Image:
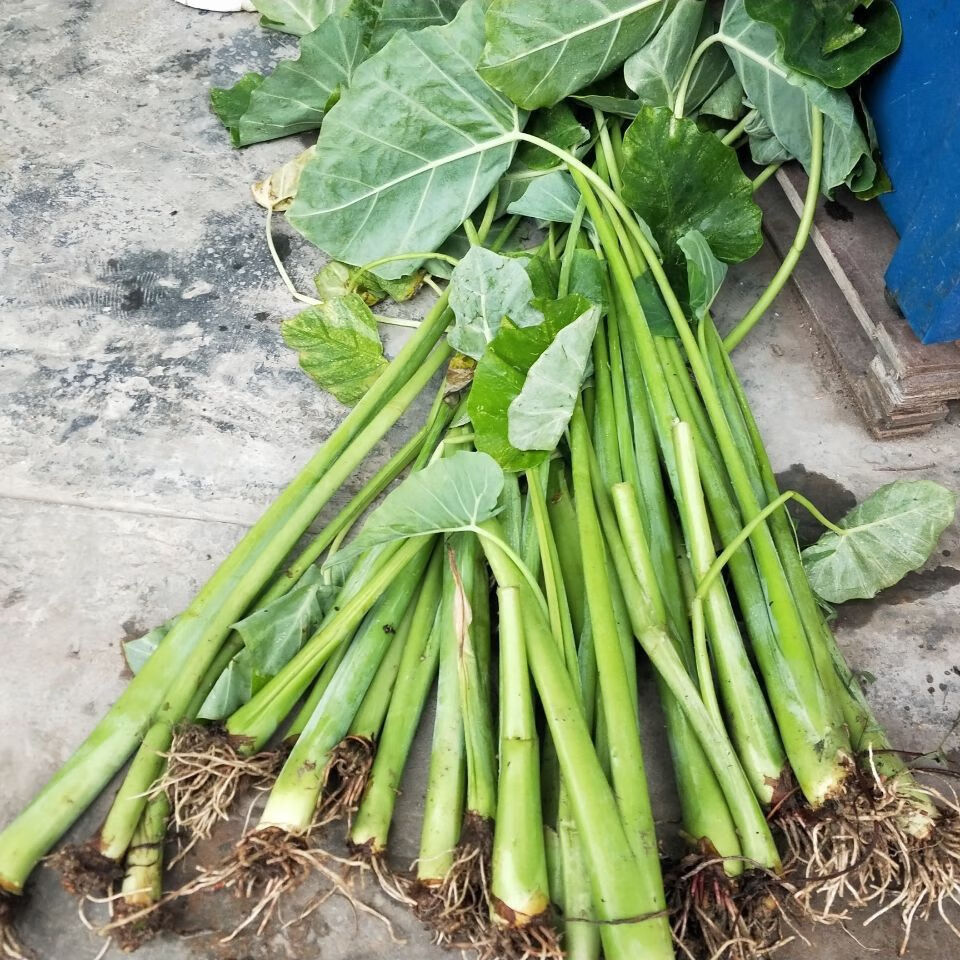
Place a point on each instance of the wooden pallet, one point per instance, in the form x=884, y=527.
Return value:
x=901, y=386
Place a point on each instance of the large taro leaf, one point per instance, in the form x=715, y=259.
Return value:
x=486, y=287
x=785, y=98
x=338, y=344
x=502, y=373
x=410, y=149
x=538, y=54
x=653, y=73
x=891, y=533
x=679, y=178
x=295, y=96
x=411, y=15
x=705, y=273
x=452, y=493
x=539, y=414
x=821, y=37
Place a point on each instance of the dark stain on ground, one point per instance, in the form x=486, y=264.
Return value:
x=830, y=497
x=188, y=62
x=78, y=423
x=132, y=630
x=13, y=597
x=837, y=211
x=914, y=586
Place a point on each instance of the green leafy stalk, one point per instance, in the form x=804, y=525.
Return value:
x=519, y=880
x=617, y=701
x=447, y=778
x=460, y=609
x=414, y=676
x=618, y=885
x=751, y=725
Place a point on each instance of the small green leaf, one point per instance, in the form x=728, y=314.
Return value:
x=295, y=97
x=679, y=178
x=726, y=101
x=891, y=533
x=539, y=414
x=139, y=650
x=234, y=687
x=627, y=107
x=551, y=198
x=339, y=345
x=588, y=277
x=231, y=103
x=654, y=309
x=485, y=288
x=705, y=273
x=502, y=373
x=299, y=17
x=544, y=275
x=821, y=37
x=557, y=125
x=440, y=141
x=452, y=493
x=653, y=73
x=411, y=15
x=277, y=191
x=538, y=55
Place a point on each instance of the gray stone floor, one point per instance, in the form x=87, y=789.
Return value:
x=150, y=411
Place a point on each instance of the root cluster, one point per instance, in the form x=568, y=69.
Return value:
x=457, y=910
x=85, y=871
x=345, y=779
x=9, y=945
x=863, y=849
x=205, y=771
x=534, y=940
x=717, y=917
x=267, y=866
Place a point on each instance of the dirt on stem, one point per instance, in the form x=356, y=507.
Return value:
x=131, y=927
x=345, y=779
x=84, y=871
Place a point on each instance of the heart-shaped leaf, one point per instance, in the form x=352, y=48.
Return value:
x=891, y=533
x=452, y=493
x=502, y=373
x=538, y=55
x=836, y=42
x=484, y=288
x=441, y=140
x=680, y=178
x=339, y=345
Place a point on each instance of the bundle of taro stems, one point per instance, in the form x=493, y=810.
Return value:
x=655, y=532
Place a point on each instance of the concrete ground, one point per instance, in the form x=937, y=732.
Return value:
x=150, y=411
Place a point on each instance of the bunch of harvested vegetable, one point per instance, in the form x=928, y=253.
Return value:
x=589, y=478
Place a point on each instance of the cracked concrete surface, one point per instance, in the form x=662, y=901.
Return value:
x=150, y=411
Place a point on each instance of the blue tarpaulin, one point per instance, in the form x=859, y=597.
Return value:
x=915, y=100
